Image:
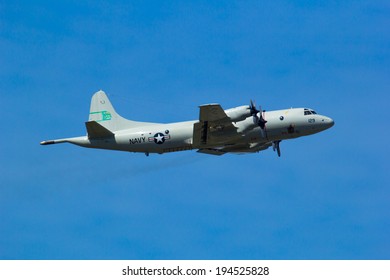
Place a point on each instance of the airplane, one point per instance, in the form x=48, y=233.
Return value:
x=243, y=129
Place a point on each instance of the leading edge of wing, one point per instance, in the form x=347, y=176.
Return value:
x=212, y=112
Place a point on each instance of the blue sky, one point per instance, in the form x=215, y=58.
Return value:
x=327, y=197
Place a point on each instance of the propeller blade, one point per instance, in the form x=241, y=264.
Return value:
x=253, y=108
x=258, y=117
x=263, y=131
x=261, y=122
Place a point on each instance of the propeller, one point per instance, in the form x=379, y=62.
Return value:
x=276, y=146
x=253, y=108
x=261, y=122
x=258, y=117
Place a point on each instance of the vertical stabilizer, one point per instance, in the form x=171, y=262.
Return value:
x=103, y=112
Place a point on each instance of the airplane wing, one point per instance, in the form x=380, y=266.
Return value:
x=214, y=128
x=212, y=112
x=211, y=151
x=238, y=149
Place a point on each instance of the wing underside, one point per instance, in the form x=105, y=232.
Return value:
x=237, y=149
x=216, y=134
x=214, y=128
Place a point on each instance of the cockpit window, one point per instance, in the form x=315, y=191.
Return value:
x=309, y=112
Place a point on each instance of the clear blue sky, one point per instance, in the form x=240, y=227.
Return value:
x=327, y=197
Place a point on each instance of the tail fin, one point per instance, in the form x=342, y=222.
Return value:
x=102, y=112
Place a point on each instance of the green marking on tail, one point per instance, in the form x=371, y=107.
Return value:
x=106, y=116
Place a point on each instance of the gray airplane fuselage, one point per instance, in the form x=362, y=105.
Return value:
x=172, y=137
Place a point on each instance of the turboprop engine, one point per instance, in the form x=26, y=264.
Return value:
x=238, y=114
x=242, y=113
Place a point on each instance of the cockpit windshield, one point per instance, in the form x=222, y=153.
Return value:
x=309, y=112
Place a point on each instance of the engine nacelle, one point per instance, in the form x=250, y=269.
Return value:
x=245, y=126
x=239, y=113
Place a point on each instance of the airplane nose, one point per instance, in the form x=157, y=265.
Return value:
x=331, y=122
x=327, y=122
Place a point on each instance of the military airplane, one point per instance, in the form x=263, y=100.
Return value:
x=244, y=129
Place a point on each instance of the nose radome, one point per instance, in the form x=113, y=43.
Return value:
x=328, y=122
x=331, y=122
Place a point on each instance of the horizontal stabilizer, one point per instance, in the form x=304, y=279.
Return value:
x=95, y=130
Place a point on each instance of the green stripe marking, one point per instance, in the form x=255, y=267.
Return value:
x=106, y=116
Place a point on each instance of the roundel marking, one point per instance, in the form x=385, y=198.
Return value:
x=159, y=138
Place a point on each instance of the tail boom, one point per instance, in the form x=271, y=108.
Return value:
x=80, y=141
